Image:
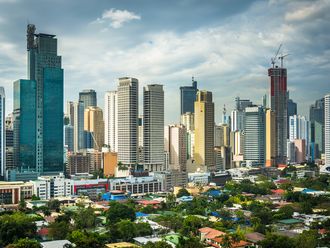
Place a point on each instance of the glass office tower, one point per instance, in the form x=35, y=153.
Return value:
x=25, y=135
x=44, y=67
x=188, y=97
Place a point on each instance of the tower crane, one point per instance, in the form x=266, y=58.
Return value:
x=275, y=57
x=282, y=57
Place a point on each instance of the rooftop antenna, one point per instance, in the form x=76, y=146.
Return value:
x=275, y=57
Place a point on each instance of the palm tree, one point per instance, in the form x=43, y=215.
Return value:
x=226, y=241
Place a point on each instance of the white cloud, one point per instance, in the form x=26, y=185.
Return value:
x=229, y=59
x=118, y=17
x=316, y=9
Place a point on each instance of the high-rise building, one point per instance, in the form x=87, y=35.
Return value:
x=2, y=132
x=222, y=135
x=140, y=140
x=204, y=130
x=140, y=131
x=222, y=158
x=93, y=123
x=237, y=120
x=241, y=104
x=70, y=112
x=270, y=138
x=187, y=119
x=153, y=127
x=291, y=152
x=10, y=142
x=279, y=104
x=254, y=148
x=316, y=117
x=300, y=150
x=9, y=149
x=327, y=129
x=25, y=139
x=111, y=120
x=128, y=109
x=299, y=128
x=69, y=137
x=175, y=146
x=237, y=146
x=188, y=97
x=292, y=110
x=77, y=163
x=78, y=127
x=44, y=67
x=88, y=97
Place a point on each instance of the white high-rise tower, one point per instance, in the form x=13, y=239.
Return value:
x=153, y=127
x=128, y=109
x=111, y=120
x=326, y=168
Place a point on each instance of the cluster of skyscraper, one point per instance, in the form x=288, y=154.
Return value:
x=34, y=142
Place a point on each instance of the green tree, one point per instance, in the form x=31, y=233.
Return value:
x=265, y=215
x=173, y=222
x=306, y=207
x=16, y=226
x=54, y=205
x=159, y=244
x=121, y=166
x=148, y=209
x=182, y=192
x=276, y=241
x=257, y=225
x=143, y=229
x=191, y=224
x=22, y=205
x=45, y=210
x=35, y=198
x=226, y=241
x=82, y=239
x=58, y=230
x=192, y=242
x=284, y=212
x=85, y=218
x=307, y=239
x=119, y=211
x=25, y=243
x=126, y=229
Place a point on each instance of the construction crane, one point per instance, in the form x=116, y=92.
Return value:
x=275, y=57
x=282, y=57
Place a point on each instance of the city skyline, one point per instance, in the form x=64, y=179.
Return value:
x=225, y=49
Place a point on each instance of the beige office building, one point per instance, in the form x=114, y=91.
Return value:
x=93, y=122
x=270, y=138
x=175, y=145
x=204, y=130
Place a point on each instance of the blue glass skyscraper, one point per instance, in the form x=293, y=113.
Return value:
x=188, y=97
x=25, y=132
x=44, y=67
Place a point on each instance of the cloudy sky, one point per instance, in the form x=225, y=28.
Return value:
x=225, y=44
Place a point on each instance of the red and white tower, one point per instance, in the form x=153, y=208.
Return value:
x=279, y=102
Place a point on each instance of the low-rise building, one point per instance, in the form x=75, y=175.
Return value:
x=200, y=178
x=137, y=185
x=172, y=178
x=14, y=192
x=91, y=187
x=47, y=187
